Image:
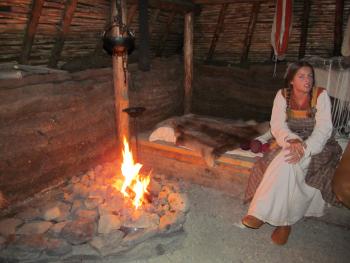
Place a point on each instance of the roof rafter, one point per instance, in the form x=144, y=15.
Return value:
x=37, y=6
x=63, y=32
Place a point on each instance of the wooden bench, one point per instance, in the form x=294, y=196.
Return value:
x=229, y=174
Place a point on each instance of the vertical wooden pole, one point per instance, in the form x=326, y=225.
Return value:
x=304, y=28
x=338, y=27
x=144, y=47
x=120, y=82
x=188, y=61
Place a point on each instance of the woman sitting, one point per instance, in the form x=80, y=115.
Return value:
x=293, y=179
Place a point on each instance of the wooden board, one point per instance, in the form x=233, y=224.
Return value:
x=229, y=174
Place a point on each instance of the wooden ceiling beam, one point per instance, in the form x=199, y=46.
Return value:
x=250, y=30
x=33, y=21
x=165, y=34
x=62, y=32
x=178, y=6
x=218, y=30
x=304, y=28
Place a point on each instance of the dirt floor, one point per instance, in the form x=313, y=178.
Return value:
x=214, y=234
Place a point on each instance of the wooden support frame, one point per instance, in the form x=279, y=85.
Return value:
x=218, y=30
x=33, y=21
x=120, y=83
x=250, y=30
x=188, y=61
x=165, y=34
x=304, y=28
x=338, y=27
x=63, y=32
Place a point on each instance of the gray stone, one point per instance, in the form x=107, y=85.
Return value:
x=141, y=219
x=29, y=214
x=154, y=187
x=109, y=243
x=91, y=214
x=77, y=204
x=56, y=229
x=57, y=247
x=38, y=227
x=52, y=213
x=139, y=235
x=80, y=190
x=81, y=253
x=85, y=179
x=93, y=202
x=108, y=223
x=79, y=231
x=171, y=221
x=8, y=226
x=178, y=202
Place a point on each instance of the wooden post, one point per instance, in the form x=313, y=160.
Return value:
x=144, y=63
x=250, y=30
x=219, y=27
x=32, y=25
x=338, y=27
x=63, y=32
x=120, y=82
x=304, y=28
x=188, y=61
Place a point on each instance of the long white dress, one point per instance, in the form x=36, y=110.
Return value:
x=283, y=197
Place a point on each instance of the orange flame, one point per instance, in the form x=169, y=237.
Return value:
x=132, y=178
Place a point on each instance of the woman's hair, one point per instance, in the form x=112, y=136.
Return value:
x=290, y=73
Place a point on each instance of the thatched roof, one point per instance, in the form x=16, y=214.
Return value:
x=52, y=32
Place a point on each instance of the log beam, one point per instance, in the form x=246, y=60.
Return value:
x=188, y=61
x=144, y=62
x=62, y=32
x=29, y=35
x=120, y=82
x=218, y=30
x=338, y=27
x=304, y=28
x=165, y=34
x=250, y=30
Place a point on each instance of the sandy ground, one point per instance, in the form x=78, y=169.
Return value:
x=214, y=234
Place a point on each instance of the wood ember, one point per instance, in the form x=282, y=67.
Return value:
x=88, y=218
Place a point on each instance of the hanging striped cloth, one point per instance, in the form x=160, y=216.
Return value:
x=281, y=28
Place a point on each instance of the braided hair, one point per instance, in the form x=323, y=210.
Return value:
x=290, y=73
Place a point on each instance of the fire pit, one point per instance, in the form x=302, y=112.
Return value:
x=103, y=214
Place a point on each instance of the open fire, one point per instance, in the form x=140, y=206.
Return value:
x=133, y=182
x=101, y=215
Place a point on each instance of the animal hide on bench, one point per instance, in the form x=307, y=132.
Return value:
x=211, y=137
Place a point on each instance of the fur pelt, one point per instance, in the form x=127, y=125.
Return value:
x=212, y=137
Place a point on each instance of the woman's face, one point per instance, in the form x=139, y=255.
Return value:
x=303, y=80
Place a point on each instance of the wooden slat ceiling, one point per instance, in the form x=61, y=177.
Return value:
x=223, y=42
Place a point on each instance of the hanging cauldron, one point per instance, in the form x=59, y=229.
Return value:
x=118, y=44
